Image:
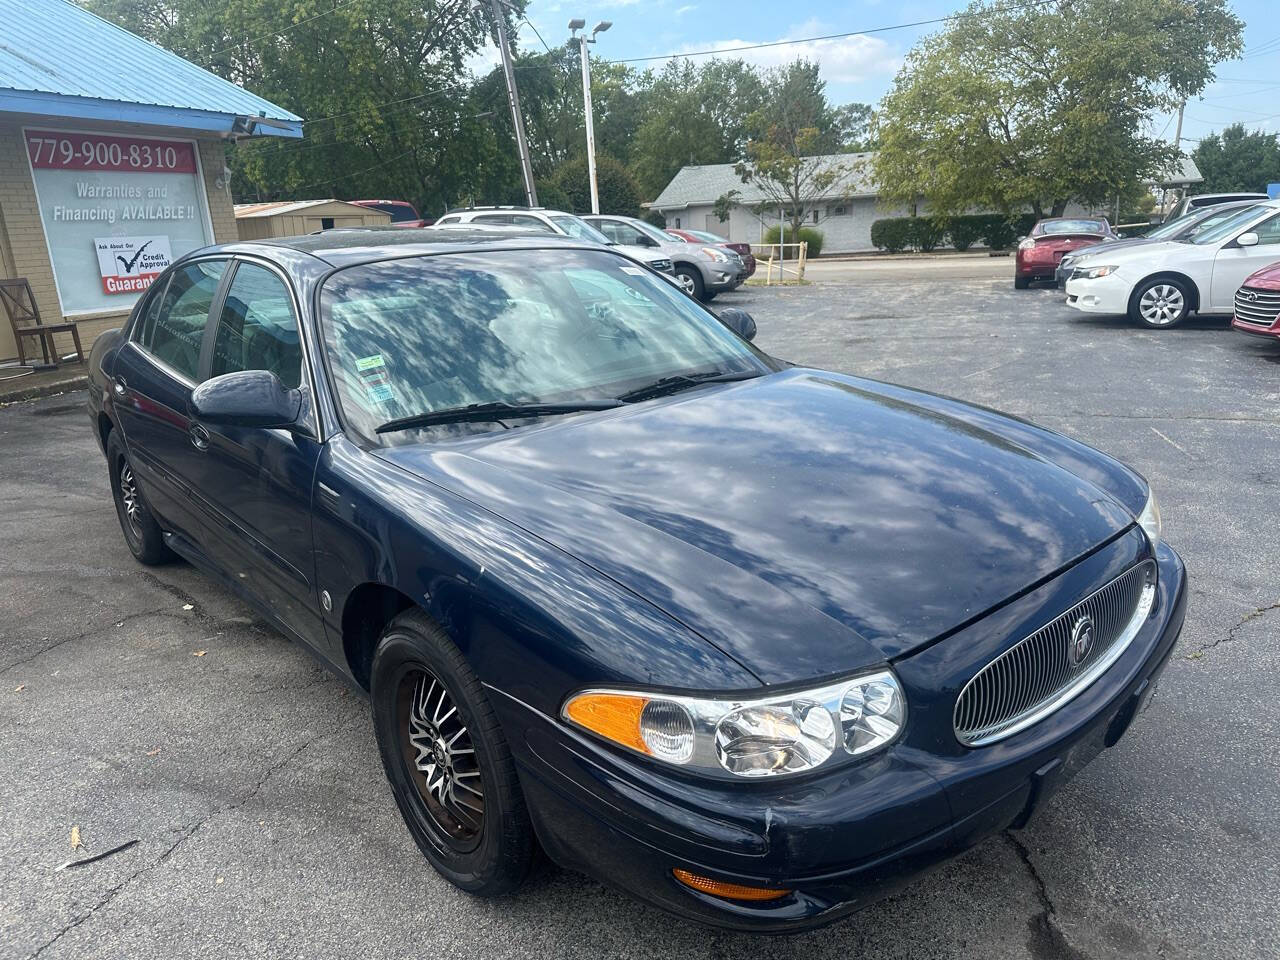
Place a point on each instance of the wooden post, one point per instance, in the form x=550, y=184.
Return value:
x=804, y=258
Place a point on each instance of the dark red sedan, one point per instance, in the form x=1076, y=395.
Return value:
x=701, y=236
x=402, y=212
x=1258, y=303
x=1040, y=251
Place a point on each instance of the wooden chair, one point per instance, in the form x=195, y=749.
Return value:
x=24, y=318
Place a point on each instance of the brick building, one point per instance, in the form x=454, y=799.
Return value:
x=112, y=162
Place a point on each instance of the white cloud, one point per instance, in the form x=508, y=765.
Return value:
x=687, y=8
x=843, y=59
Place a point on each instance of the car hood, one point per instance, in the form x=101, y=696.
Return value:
x=1101, y=249
x=1154, y=252
x=643, y=254
x=1268, y=278
x=806, y=523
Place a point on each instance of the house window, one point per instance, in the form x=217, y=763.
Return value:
x=326, y=223
x=837, y=211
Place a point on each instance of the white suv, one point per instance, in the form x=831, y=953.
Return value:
x=553, y=221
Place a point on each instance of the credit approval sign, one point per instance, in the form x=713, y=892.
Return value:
x=129, y=264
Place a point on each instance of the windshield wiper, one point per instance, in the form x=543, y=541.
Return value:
x=493, y=412
x=682, y=380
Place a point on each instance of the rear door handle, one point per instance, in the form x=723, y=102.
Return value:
x=199, y=436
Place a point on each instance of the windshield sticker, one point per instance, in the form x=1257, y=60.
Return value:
x=379, y=392
x=368, y=363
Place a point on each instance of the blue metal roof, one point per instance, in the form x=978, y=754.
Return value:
x=59, y=60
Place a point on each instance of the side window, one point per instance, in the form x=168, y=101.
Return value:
x=174, y=334
x=256, y=328
x=449, y=220
x=499, y=218
x=1268, y=232
x=615, y=231
x=150, y=309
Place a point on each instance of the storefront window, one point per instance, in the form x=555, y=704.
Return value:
x=116, y=211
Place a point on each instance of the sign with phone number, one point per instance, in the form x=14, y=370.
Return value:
x=78, y=151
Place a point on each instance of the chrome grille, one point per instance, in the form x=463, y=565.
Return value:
x=1257, y=306
x=1037, y=675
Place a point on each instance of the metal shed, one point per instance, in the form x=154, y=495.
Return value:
x=291, y=218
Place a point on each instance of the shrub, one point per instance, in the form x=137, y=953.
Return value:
x=807, y=235
x=619, y=193
x=893, y=234
x=964, y=232
x=657, y=219
x=929, y=234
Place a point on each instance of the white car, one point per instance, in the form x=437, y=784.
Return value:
x=554, y=221
x=1160, y=284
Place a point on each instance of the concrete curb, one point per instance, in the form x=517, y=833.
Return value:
x=16, y=393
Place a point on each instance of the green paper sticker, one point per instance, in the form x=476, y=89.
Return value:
x=368, y=363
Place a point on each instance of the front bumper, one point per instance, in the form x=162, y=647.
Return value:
x=1271, y=332
x=1108, y=294
x=838, y=840
x=723, y=276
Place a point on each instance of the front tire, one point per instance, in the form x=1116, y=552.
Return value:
x=1160, y=303
x=447, y=761
x=141, y=532
x=691, y=280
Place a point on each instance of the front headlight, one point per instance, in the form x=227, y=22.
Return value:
x=1093, y=273
x=717, y=255
x=770, y=736
x=1149, y=518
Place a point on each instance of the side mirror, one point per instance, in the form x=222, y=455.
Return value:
x=247, y=398
x=739, y=321
x=1249, y=239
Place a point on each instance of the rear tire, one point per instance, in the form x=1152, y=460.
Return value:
x=1021, y=283
x=1160, y=303
x=141, y=532
x=447, y=761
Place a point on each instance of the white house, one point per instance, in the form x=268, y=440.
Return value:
x=843, y=212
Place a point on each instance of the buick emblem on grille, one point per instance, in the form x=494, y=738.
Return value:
x=1081, y=641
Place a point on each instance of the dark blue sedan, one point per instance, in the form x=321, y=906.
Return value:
x=754, y=642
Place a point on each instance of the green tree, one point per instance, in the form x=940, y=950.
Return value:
x=1037, y=105
x=618, y=191
x=1236, y=160
x=792, y=136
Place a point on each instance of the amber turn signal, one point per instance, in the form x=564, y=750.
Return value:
x=730, y=891
x=614, y=716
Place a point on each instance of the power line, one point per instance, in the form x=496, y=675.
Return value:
x=354, y=173
x=536, y=33
x=963, y=15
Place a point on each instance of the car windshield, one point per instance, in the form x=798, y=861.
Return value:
x=580, y=229
x=707, y=237
x=412, y=336
x=1229, y=225
x=650, y=230
x=1172, y=228
x=1071, y=226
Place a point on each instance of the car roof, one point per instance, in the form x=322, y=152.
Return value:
x=1229, y=193
x=341, y=248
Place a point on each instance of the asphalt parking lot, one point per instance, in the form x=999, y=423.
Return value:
x=150, y=705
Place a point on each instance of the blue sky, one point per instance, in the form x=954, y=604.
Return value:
x=862, y=67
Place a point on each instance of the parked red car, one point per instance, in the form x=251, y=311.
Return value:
x=1258, y=303
x=701, y=236
x=403, y=213
x=1040, y=251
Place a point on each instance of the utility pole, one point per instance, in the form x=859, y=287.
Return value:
x=574, y=26
x=513, y=98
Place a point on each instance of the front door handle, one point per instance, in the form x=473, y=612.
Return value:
x=199, y=436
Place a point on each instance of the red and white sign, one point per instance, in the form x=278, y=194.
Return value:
x=129, y=264
x=95, y=151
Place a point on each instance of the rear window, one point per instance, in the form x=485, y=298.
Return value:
x=399, y=211
x=1072, y=226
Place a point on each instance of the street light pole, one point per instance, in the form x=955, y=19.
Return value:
x=574, y=26
x=513, y=98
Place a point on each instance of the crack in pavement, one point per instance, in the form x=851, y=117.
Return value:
x=185, y=834
x=1046, y=940
x=113, y=625
x=1252, y=615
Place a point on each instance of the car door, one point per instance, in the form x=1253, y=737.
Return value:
x=152, y=379
x=1233, y=262
x=255, y=483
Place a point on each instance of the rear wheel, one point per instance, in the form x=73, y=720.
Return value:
x=447, y=761
x=1021, y=283
x=1160, y=303
x=141, y=532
